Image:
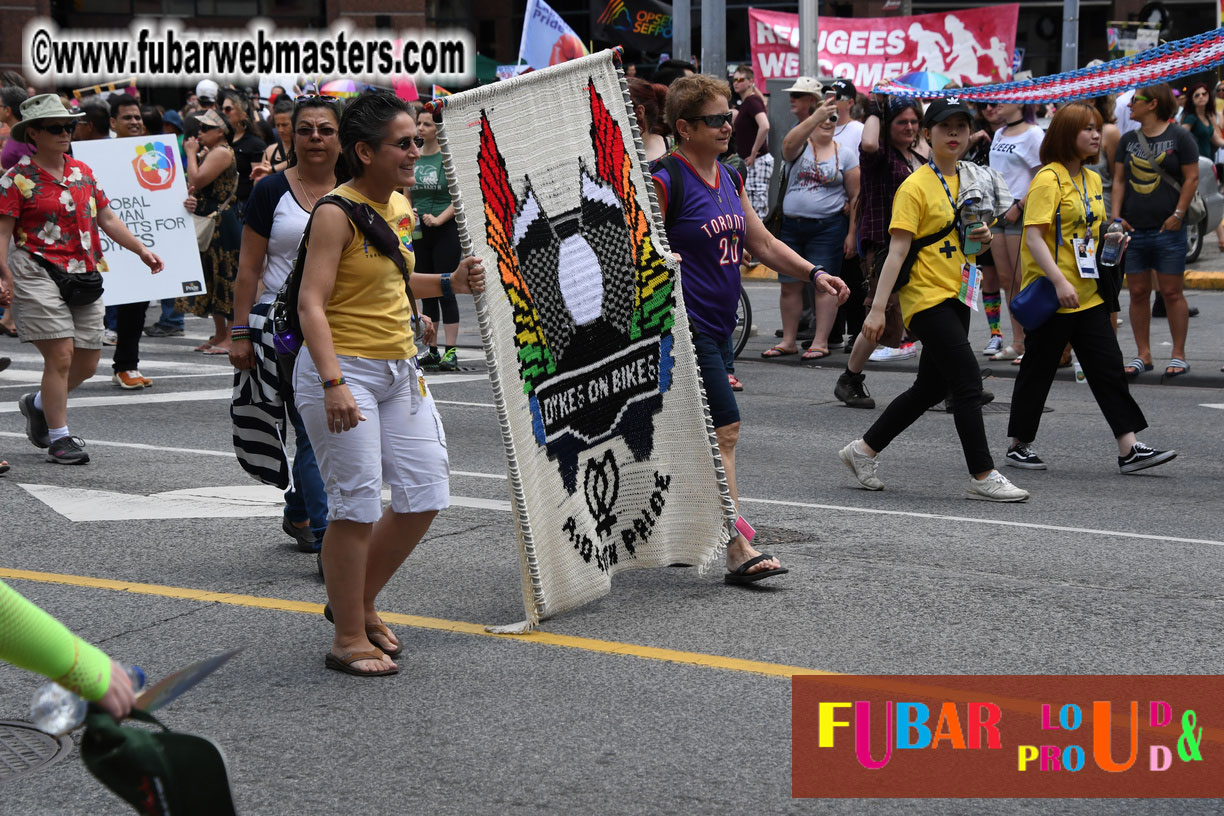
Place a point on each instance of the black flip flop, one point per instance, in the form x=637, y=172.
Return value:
x=740, y=574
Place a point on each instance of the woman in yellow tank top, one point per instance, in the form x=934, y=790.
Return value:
x=359, y=388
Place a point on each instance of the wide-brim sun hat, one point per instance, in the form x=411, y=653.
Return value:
x=805, y=85
x=41, y=107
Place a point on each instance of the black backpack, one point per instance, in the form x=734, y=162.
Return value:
x=286, y=325
x=675, y=195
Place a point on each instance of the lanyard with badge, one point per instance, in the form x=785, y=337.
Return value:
x=971, y=275
x=1085, y=248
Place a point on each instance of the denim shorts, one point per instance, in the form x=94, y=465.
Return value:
x=821, y=242
x=1162, y=250
x=712, y=354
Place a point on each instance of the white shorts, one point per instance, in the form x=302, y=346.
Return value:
x=401, y=442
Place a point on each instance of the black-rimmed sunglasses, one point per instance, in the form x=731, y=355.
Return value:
x=206, y=128
x=713, y=120
x=407, y=142
x=58, y=129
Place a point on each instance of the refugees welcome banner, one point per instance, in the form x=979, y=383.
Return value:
x=972, y=47
x=610, y=451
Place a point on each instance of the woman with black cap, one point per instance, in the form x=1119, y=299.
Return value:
x=935, y=305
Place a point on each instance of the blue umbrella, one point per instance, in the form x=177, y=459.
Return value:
x=925, y=80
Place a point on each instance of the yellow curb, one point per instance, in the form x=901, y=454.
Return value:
x=758, y=272
x=1197, y=279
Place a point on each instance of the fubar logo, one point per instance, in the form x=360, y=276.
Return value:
x=1007, y=736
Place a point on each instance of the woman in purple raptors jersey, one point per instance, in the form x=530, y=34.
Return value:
x=708, y=235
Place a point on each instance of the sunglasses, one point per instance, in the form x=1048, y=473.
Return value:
x=315, y=99
x=991, y=104
x=228, y=109
x=1138, y=98
x=324, y=131
x=713, y=120
x=407, y=142
x=58, y=130
x=207, y=128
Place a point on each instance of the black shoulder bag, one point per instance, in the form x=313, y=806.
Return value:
x=286, y=325
x=916, y=246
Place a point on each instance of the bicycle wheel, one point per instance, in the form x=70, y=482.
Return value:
x=743, y=323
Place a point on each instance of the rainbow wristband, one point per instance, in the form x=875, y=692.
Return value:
x=333, y=383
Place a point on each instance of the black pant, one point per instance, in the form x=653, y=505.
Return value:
x=1096, y=347
x=437, y=253
x=850, y=314
x=129, y=325
x=948, y=365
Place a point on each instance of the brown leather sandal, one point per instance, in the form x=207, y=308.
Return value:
x=345, y=664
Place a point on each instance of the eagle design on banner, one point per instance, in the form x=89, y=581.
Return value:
x=594, y=346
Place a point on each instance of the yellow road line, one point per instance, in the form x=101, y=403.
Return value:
x=421, y=622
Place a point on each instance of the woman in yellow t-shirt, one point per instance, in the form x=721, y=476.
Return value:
x=934, y=305
x=359, y=388
x=1063, y=220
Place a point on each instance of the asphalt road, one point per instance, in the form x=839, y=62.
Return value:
x=1099, y=573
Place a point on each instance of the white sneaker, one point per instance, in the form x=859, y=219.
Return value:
x=995, y=487
x=884, y=354
x=864, y=466
x=109, y=338
x=994, y=346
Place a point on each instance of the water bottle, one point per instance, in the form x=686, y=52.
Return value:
x=1079, y=371
x=1112, y=248
x=56, y=710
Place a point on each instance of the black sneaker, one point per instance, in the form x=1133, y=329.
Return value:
x=851, y=390
x=1024, y=457
x=162, y=330
x=430, y=360
x=1141, y=457
x=68, y=450
x=305, y=538
x=36, y=422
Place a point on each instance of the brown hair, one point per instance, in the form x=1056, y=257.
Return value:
x=652, y=97
x=1059, y=142
x=1188, y=108
x=1106, y=105
x=1162, y=95
x=687, y=95
x=750, y=75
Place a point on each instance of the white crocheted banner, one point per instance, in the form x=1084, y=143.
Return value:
x=609, y=445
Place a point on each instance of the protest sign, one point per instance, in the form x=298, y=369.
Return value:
x=146, y=185
x=972, y=46
x=547, y=39
x=641, y=24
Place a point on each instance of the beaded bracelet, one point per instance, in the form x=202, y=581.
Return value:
x=239, y=328
x=447, y=291
x=333, y=383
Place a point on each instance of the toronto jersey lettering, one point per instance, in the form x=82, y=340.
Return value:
x=708, y=234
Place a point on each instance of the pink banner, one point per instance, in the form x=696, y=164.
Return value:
x=972, y=46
